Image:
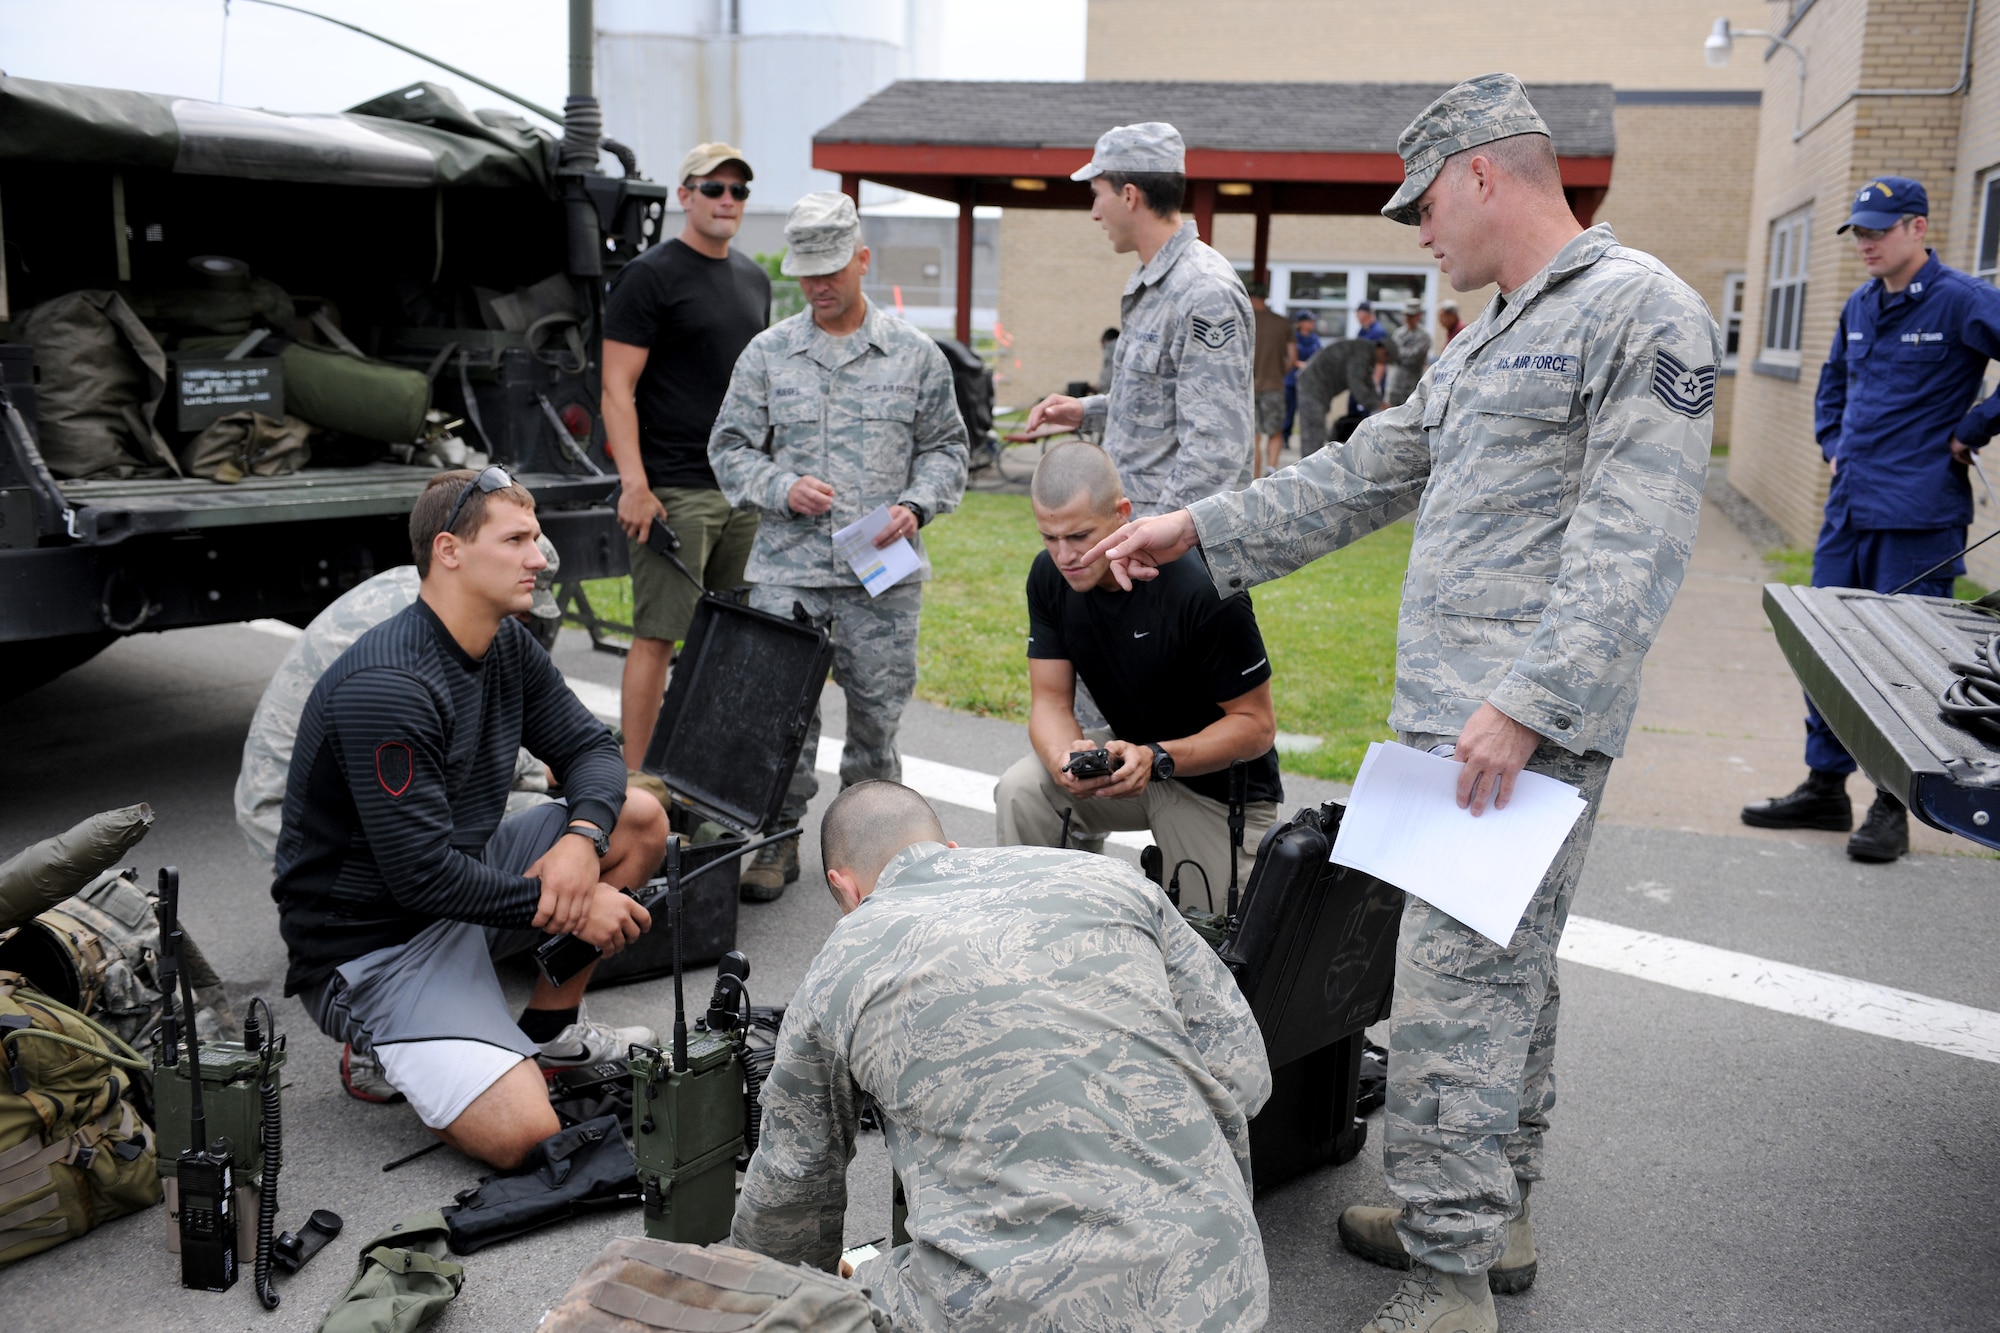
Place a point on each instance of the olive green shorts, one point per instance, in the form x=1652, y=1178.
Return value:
x=715, y=545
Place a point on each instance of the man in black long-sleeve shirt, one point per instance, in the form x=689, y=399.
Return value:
x=397, y=878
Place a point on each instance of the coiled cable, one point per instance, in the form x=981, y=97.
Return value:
x=1973, y=700
x=270, y=1133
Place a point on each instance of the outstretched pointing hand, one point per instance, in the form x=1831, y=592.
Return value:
x=1137, y=550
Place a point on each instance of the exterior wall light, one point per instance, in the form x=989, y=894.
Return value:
x=1029, y=183
x=1233, y=188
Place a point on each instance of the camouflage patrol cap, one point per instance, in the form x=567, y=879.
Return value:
x=1151, y=148
x=546, y=607
x=1478, y=111
x=821, y=233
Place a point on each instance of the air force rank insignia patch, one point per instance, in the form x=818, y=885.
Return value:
x=1214, y=334
x=1690, y=392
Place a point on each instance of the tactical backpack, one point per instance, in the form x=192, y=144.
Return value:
x=638, y=1286
x=75, y=1148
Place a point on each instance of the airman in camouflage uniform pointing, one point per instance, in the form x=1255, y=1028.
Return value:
x=1553, y=456
x=829, y=414
x=1177, y=415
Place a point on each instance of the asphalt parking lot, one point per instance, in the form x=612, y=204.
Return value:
x=1714, y=1165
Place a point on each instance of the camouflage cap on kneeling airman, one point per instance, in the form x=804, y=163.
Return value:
x=1478, y=111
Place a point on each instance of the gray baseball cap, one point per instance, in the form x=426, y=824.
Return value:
x=546, y=607
x=1151, y=148
x=1492, y=106
x=821, y=233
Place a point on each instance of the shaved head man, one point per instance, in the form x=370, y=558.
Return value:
x=1050, y=1044
x=1179, y=671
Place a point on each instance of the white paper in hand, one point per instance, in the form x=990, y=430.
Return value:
x=1404, y=827
x=880, y=570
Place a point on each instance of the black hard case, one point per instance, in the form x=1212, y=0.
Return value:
x=1314, y=951
x=734, y=719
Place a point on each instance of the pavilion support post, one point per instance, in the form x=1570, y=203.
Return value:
x=1204, y=209
x=1583, y=201
x=1260, y=263
x=967, y=194
x=850, y=185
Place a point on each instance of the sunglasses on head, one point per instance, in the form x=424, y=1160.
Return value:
x=493, y=479
x=713, y=190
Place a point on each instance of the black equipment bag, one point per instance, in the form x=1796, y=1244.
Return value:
x=972, y=385
x=1314, y=952
x=584, y=1168
x=732, y=724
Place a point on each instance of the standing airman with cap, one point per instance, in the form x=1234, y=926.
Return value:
x=1897, y=422
x=1554, y=457
x=829, y=414
x=1177, y=416
x=1413, y=352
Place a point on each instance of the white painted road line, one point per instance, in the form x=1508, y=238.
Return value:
x=962, y=787
x=277, y=629
x=1860, y=1006
x=600, y=699
x=1826, y=997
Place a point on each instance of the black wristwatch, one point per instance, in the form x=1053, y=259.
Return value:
x=598, y=838
x=1163, y=763
x=917, y=511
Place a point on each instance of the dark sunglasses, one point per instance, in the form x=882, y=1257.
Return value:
x=493, y=479
x=713, y=190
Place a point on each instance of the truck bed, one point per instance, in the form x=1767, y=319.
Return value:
x=111, y=511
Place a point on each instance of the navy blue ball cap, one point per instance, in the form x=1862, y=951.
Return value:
x=1884, y=201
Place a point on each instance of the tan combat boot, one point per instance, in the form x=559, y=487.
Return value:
x=1371, y=1233
x=1427, y=1301
x=765, y=878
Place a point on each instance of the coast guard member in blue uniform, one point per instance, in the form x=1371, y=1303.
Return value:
x=1898, y=424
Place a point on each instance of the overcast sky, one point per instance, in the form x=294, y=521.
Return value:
x=287, y=62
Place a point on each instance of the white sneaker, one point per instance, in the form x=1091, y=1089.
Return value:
x=585, y=1042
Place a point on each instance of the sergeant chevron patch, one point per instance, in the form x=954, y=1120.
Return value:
x=1214, y=334
x=1688, y=392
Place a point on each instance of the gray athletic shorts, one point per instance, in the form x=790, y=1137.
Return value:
x=440, y=985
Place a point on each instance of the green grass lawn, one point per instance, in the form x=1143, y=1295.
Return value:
x=1330, y=629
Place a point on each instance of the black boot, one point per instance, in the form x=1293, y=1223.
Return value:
x=1884, y=835
x=1820, y=802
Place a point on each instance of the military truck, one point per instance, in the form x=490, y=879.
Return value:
x=400, y=286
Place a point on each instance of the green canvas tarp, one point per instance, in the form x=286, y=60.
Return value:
x=416, y=137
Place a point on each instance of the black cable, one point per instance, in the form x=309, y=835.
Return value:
x=271, y=1133
x=1973, y=700
x=1174, y=881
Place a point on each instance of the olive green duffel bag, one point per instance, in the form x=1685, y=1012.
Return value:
x=73, y=1150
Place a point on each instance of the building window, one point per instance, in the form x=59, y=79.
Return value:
x=1988, y=265
x=1732, y=318
x=1331, y=291
x=1785, y=290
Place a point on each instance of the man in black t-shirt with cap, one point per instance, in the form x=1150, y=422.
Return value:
x=1180, y=673
x=678, y=317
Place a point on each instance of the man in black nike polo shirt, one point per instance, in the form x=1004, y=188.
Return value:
x=1180, y=674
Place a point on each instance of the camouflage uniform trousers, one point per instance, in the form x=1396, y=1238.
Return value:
x=1472, y=1041
x=875, y=664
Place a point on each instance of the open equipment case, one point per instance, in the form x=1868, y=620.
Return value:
x=1313, y=950
x=731, y=726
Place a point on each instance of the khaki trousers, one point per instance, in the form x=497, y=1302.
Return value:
x=1028, y=812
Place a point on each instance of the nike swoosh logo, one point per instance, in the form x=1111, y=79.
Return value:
x=1137, y=635
x=1253, y=666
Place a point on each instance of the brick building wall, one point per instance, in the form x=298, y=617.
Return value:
x=1906, y=44
x=1680, y=182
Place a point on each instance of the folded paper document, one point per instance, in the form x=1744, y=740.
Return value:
x=1404, y=825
